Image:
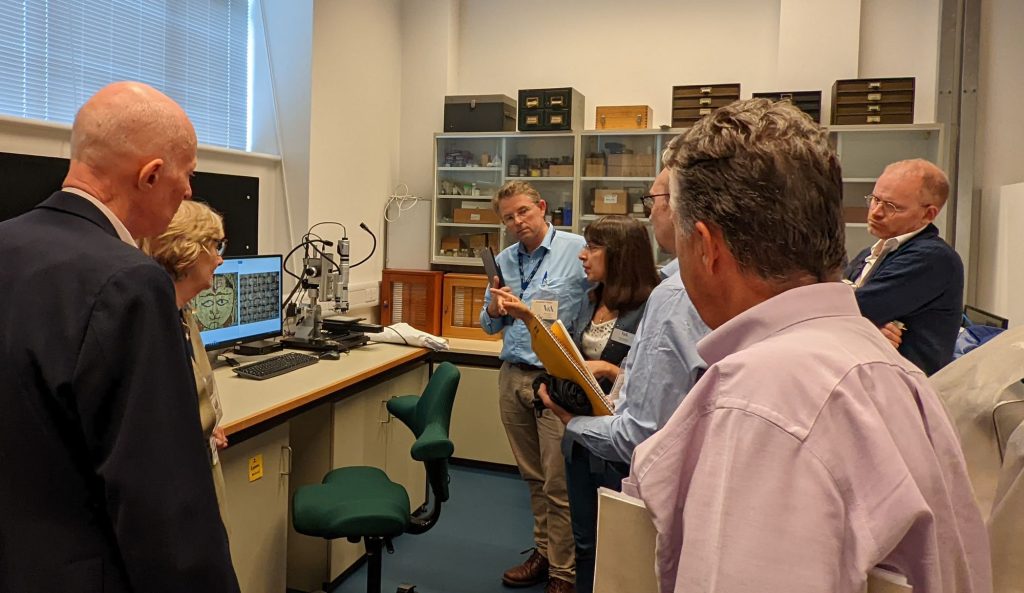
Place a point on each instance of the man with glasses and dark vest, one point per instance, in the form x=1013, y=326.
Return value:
x=910, y=283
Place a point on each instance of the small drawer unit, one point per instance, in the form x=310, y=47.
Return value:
x=547, y=110
x=692, y=102
x=873, y=101
x=463, y=300
x=623, y=117
x=479, y=113
x=807, y=101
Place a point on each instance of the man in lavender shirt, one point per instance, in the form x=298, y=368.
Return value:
x=810, y=452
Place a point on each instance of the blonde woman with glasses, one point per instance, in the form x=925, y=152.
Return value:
x=190, y=250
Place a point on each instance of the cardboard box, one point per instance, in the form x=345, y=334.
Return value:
x=610, y=201
x=476, y=216
x=855, y=214
x=594, y=167
x=450, y=243
x=474, y=241
x=560, y=171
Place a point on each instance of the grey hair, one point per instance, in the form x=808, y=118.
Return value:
x=765, y=174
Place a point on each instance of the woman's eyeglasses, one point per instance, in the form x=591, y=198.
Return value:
x=219, y=245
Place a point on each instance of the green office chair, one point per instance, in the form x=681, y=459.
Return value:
x=361, y=503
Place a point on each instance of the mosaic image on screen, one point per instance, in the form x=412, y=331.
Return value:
x=258, y=294
x=215, y=307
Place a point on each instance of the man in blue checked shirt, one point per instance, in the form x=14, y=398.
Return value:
x=659, y=370
x=541, y=271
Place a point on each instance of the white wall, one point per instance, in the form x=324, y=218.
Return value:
x=356, y=113
x=901, y=38
x=999, y=157
x=429, y=31
x=282, y=76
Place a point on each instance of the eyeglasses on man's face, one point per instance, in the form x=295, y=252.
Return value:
x=521, y=213
x=889, y=208
x=648, y=201
x=218, y=245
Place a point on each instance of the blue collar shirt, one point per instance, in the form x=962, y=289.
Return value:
x=552, y=272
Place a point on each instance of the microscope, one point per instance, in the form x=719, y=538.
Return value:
x=324, y=279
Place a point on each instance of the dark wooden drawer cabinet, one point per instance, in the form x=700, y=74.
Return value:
x=873, y=101
x=412, y=296
x=807, y=101
x=692, y=102
x=545, y=110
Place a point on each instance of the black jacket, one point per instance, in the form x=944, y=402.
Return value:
x=108, y=484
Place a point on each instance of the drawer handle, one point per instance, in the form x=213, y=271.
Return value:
x=557, y=120
x=875, y=85
x=705, y=90
x=874, y=119
x=531, y=102
x=874, y=107
x=639, y=119
x=604, y=118
x=532, y=120
x=874, y=96
x=704, y=111
x=705, y=101
x=557, y=102
x=786, y=97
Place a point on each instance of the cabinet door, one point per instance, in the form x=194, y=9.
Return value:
x=476, y=428
x=413, y=297
x=400, y=465
x=257, y=509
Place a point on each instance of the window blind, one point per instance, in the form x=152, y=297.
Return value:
x=54, y=54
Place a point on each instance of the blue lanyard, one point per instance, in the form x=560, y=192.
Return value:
x=524, y=282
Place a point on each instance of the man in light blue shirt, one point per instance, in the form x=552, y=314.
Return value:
x=661, y=367
x=540, y=269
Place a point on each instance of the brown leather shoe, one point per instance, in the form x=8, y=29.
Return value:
x=557, y=585
x=531, y=572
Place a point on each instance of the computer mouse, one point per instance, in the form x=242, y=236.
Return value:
x=330, y=355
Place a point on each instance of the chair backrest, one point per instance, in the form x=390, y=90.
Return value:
x=429, y=420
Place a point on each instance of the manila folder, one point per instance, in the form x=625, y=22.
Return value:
x=624, y=560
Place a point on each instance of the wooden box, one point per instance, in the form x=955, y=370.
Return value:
x=413, y=297
x=807, y=101
x=623, y=117
x=692, y=102
x=630, y=165
x=476, y=216
x=462, y=302
x=855, y=214
x=873, y=101
x=610, y=201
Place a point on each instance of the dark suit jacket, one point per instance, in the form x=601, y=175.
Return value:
x=107, y=484
x=922, y=285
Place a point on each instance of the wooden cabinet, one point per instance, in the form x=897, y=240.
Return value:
x=257, y=509
x=476, y=427
x=413, y=297
x=463, y=300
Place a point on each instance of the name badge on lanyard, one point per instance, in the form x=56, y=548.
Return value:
x=544, y=309
x=623, y=337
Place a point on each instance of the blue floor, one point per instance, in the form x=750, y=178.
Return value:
x=482, y=530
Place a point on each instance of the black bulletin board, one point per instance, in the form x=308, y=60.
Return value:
x=26, y=180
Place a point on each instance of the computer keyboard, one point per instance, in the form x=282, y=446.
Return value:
x=275, y=365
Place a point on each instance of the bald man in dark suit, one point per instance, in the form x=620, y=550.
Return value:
x=107, y=482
